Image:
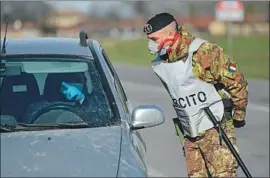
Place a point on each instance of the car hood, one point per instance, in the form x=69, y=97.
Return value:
x=92, y=152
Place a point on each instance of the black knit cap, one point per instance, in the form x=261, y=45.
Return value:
x=158, y=22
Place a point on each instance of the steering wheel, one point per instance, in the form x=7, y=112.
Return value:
x=63, y=106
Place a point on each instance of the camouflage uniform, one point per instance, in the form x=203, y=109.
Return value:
x=204, y=156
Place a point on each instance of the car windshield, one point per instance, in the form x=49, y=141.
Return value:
x=54, y=92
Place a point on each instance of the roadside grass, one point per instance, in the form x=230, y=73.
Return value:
x=250, y=53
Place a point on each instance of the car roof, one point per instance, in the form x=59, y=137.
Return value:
x=46, y=45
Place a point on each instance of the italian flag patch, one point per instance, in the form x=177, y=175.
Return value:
x=232, y=67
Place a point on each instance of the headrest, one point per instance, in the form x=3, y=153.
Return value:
x=19, y=83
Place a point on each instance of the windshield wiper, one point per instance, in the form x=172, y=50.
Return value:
x=7, y=128
x=30, y=127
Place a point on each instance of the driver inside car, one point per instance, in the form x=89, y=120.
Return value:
x=69, y=89
x=72, y=93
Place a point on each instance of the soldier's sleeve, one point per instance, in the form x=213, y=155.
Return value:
x=219, y=67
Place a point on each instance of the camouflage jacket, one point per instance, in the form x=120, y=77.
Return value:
x=211, y=64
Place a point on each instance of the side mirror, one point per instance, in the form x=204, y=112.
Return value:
x=145, y=116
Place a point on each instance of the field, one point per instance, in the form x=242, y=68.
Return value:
x=251, y=53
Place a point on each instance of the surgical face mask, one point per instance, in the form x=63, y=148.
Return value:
x=153, y=48
x=158, y=49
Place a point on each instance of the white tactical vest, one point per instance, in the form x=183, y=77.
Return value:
x=189, y=94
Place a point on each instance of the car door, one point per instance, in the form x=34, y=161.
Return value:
x=135, y=137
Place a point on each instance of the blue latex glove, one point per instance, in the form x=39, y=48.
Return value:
x=72, y=93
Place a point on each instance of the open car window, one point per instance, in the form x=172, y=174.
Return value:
x=53, y=92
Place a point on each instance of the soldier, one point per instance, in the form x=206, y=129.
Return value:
x=197, y=74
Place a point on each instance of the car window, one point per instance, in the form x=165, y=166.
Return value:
x=119, y=87
x=53, y=92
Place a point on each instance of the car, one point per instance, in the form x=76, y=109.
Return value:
x=45, y=133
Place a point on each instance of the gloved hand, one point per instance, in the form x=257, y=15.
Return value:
x=239, y=124
x=72, y=93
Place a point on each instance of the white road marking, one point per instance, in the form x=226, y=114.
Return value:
x=151, y=88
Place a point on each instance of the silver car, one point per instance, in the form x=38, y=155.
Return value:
x=64, y=112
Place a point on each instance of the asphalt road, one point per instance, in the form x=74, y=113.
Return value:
x=164, y=155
